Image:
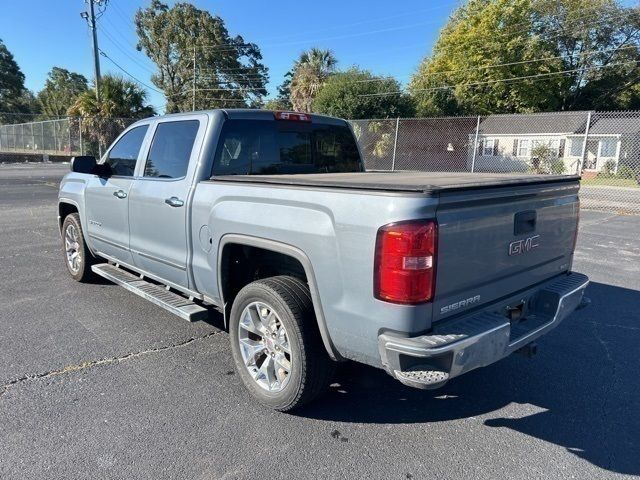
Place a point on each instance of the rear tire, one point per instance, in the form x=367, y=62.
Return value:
x=78, y=258
x=276, y=344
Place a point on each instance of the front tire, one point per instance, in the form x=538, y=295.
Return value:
x=276, y=345
x=78, y=258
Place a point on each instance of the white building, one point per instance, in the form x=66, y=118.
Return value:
x=505, y=142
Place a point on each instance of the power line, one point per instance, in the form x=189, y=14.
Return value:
x=522, y=62
x=227, y=47
x=350, y=35
x=496, y=65
x=217, y=79
x=258, y=76
x=124, y=52
x=338, y=37
x=364, y=22
x=120, y=47
x=555, y=32
x=241, y=89
x=499, y=80
x=212, y=99
x=233, y=69
x=119, y=32
x=392, y=78
x=119, y=11
x=134, y=78
x=306, y=33
x=231, y=46
x=387, y=78
x=181, y=94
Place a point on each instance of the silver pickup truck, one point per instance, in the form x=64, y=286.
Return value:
x=270, y=218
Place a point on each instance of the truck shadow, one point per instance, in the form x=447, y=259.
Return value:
x=580, y=392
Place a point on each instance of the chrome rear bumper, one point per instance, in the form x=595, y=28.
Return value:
x=463, y=344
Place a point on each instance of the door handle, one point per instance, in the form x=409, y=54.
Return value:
x=524, y=222
x=174, y=202
x=120, y=194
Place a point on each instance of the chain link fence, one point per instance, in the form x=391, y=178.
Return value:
x=603, y=147
x=25, y=137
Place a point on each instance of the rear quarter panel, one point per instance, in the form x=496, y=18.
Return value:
x=335, y=229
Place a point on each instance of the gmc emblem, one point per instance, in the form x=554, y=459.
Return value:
x=523, y=246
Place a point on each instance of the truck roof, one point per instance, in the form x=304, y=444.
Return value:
x=252, y=114
x=429, y=183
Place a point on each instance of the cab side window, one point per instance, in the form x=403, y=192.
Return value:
x=123, y=155
x=244, y=144
x=171, y=149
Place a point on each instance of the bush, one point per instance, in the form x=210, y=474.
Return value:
x=543, y=161
x=608, y=169
x=627, y=173
x=557, y=166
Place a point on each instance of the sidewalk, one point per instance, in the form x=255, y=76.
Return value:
x=623, y=200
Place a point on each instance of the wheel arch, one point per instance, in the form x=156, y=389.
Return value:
x=230, y=240
x=66, y=207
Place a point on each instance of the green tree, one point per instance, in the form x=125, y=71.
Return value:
x=29, y=103
x=356, y=94
x=572, y=54
x=600, y=40
x=277, y=103
x=228, y=72
x=121, y=102
x=310, y=72
x=479, y=35
x=284, y=89
x=283, y=100
x=60, y=91
x=14, y=97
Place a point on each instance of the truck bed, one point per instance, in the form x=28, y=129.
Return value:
x=427, y=183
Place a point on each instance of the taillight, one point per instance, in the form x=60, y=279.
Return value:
x=405, y=261
x=295, y=116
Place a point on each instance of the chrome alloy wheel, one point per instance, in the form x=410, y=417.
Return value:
x=264, y=346
x=72, y=248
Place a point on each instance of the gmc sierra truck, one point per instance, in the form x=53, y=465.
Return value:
x=271, y=219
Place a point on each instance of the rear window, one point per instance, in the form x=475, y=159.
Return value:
x=260, y=147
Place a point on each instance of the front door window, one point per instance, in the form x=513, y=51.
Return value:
x=123, y=155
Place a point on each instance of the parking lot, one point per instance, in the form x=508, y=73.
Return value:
x=95, y=382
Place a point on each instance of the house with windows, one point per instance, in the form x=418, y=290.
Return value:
x=507, y=143
x=613, y=141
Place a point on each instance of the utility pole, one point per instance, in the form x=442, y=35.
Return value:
x=90, y=17
x=583, y=154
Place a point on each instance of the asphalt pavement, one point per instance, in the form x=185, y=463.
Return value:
x=95, y=382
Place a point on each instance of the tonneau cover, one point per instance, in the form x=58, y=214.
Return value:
x=430, y=183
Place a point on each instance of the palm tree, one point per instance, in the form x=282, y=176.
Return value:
x=121, y=103
x=310, y=72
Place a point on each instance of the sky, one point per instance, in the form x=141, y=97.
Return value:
x=388, y=38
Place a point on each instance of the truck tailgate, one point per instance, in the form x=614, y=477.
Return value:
x=493, y=243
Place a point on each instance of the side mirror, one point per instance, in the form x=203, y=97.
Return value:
x=84, y=164
x=103, y=170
